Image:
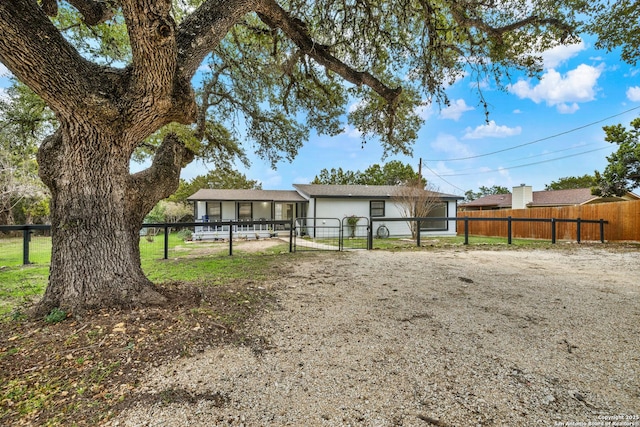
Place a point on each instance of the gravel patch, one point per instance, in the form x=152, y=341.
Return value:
x=424, y=338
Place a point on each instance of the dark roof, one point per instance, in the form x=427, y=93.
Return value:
x=357, y=191
x=502, y=201
x=578, y=196
x=247, y=195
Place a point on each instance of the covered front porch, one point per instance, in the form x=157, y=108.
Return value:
x=244, y=214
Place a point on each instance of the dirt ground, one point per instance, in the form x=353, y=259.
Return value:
x=458, y=336
x=416, y=338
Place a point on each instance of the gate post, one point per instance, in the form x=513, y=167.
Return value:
x=26, y=236
x=291, y=235
x=509, y=230
x=601, y=230
x=466, y=230
x=553, y=230
x=418, y=233
x=578, y=227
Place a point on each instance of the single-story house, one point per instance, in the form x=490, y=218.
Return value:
x=314, y=206
x=524, y=197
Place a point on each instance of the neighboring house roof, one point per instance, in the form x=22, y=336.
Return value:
x=493, y=201
x=579, y=196
x=357, y=191
x=247, y=195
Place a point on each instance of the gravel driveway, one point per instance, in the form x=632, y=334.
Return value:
x=425, y=338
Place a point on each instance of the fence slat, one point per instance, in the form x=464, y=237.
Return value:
x=622, y=218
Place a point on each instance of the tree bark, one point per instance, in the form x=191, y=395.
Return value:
x=97, y=209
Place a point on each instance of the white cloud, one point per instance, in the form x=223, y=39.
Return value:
x=4, y=71
x=357, y=105
x=578, y=85
x=352, y=132
x=491, y=130
x=455, y=110
x=517, y=111
x=567, y=109
x=424, y=111
x=559, y=54
x=449, y=144
x=633, y=94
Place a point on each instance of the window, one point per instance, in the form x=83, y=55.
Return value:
x=214, y=211
x=376, y=208
x=438, y=211
x=284, y=211
x=245, y=211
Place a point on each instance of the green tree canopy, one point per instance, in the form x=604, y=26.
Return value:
x=392, y=173
x=24, y=120
x=471, y=195
x=616, y=24
x=572, y=182
x=622, y=174
x=218, y=179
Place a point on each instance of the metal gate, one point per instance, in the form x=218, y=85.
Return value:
x=355, y=233
x=317, y=234
x=331, y=234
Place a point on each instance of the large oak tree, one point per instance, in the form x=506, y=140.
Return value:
x=269, y=62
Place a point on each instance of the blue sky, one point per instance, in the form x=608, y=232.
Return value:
x=539, y=130
x=581, y=90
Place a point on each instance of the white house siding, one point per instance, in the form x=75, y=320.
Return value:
x=340, y=208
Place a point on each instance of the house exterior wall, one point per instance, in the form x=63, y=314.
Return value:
x=340, y=208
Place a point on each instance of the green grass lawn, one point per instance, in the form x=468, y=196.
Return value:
x=206, y=262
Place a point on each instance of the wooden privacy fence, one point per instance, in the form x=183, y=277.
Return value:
x=622, y=222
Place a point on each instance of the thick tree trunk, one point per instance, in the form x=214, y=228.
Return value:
x=96, y=217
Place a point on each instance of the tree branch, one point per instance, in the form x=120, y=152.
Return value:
x=161, y=179
x=202, y=30
x=275, y=17
x=93, y=12
x=63, y=77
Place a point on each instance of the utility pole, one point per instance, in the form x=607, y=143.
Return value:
x=420, y=172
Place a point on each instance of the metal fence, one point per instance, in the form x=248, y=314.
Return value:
x=32, y=243
x=508, y=221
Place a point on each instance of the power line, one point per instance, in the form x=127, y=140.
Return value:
x=434, y=172
x=544, y=154
x=536, y=141
x=525, y=165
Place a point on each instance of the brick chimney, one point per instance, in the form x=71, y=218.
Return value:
x=521, y=196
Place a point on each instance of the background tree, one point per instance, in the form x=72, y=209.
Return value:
x=470, y=195
x=337, y=177
x=392, y=173
x=616, y=24
x=269, y=64
x=415, y=201
x=218, y=179
x=24, y=120
x=622, y=174
x=572, y=182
